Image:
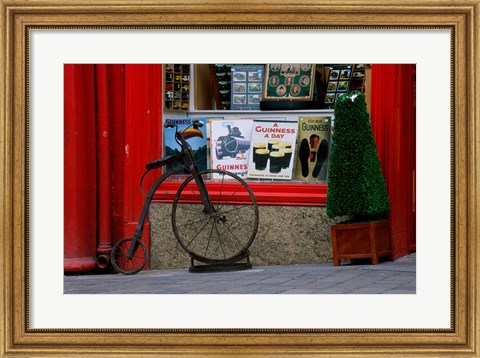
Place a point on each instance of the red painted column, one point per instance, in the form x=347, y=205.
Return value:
x=79, y=169
x=393, y=122
x=104, y=166
x=117, y=103
x=122, y=104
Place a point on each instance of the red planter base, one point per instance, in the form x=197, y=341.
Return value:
x=361, y=240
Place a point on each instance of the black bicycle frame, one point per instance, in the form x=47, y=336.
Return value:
x=189, y=165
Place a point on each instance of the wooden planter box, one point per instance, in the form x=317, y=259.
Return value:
x=361, y=240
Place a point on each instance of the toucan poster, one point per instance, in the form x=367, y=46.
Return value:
x=196, y=138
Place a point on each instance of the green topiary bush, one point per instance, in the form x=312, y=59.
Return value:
x=356, y=186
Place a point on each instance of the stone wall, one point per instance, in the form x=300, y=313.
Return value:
x=286, y=235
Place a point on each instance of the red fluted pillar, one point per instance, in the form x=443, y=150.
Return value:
x=79, y=169
x=112, y=129
x=117, y=93
x=393, y=121
x=104, y=165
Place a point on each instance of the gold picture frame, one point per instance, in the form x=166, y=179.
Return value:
x=461, y=18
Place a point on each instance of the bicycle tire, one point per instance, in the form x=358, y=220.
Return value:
x=125, y=265
x=222, y=239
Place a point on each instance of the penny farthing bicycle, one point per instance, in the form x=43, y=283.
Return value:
x=215, y=223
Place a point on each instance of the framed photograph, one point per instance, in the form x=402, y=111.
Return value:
x=334, y=75
x=239, y=76
x=330, y=98
x=332, y=86
x=38, y=38
x=239, y=99
x=358, y=74
x=289, y=82
x=254, y=87
x=342, y=86
x=254, y=98
x=345, y=74
x=239, y=87
x=248, y=80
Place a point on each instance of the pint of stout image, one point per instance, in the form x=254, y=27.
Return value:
x=287, y=157
x=255, y=147
x=285, y=145
x=276, y=161
x=271, y=143
x=261, y=159
x=276, y=148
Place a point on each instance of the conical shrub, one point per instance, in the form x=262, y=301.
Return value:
x=356, y=186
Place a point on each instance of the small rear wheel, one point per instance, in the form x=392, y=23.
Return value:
x=221, y=237
x=129, y=265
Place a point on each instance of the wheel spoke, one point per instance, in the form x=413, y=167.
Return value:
x=221, y=189
x=187, y=202
x=238, y=207
x=229, y=198
x=198, y=233
x=195, y=222
x=233, y=235
x=220, y=241
x=209, y=238
x=192, y=187
x=246, y=224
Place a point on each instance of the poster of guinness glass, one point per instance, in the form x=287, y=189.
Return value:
x=289, y=81
x=273, y=149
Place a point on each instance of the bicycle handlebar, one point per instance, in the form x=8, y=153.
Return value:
x=180, y=140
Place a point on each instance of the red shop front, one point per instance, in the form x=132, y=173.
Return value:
x=113, y=127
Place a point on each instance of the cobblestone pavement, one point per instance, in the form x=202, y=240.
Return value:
x=397, y=277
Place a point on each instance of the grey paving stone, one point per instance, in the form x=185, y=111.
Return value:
x=302, y=291
x=402, y=289
x=334, y=290
x=371, y=289
x=397, y=277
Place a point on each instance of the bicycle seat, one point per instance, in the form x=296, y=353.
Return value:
x=161, y=162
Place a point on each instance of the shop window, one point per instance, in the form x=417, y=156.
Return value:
x=271, y=124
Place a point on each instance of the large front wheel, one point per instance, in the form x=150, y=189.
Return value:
x=224, y=234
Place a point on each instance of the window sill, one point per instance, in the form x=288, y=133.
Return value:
x=266, y=193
